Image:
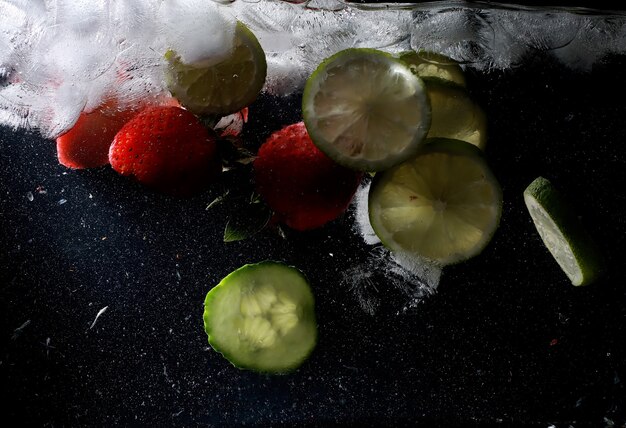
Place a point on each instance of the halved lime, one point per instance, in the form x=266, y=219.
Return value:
x=261, y=317
x=222, y=88
x=454, y=114
x=429, y=64
x=365, y=109
x=562, y=233
x=443, y=205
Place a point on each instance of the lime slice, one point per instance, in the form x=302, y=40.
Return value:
x=454, y=114
x=261, y=317
x=443, y=205
x=365, y=109
x=429, y=64
x=222, y=88
x=562, y=233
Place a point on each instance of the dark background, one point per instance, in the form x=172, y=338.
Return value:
x=506, y=340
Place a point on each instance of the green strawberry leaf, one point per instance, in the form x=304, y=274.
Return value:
x=218, y=201
x=247, y=221
x=233, y=153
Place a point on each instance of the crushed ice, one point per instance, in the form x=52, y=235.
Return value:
x=416, y=279
x=59, y=58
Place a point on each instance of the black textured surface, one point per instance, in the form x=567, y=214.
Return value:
x=506, y=339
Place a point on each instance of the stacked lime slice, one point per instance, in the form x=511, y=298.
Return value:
x=442, y=205
x=454, y=114
x=433, y=65
x=366, y=109
x=432, y=198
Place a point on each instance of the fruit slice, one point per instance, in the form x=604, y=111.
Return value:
x=454, y=114
x=562, y=233
x=429, y=64
x=222, y=88
x=261, y=317
x=365, y=109
x=443, y=205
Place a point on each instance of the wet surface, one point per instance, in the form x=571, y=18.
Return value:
x=102, y=284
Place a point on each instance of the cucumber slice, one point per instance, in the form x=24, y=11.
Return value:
x=562, y=233
x=261, y=317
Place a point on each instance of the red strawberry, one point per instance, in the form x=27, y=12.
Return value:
x=304, y=187
x=166, y=148
x=87, y=144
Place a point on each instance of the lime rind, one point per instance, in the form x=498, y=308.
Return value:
x=562, y=233
x=424, y=245
x=224, y=321
x=222, y=88
x=377, y=112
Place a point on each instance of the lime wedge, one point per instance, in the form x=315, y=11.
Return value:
x=429, y=64
x=222, y=88
x=562, y=233
x=454, y=114
x=443, y=205
x=365, y=109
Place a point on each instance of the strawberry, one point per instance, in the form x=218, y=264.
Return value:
x=168, y=149
x=87, y=144
x=305, y=188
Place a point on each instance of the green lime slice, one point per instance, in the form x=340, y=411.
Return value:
x=443, y=205
x=454, y=114
x=222, y=88
x=429, y=64
x=261, y=317
x=365, y=109
x=562, y=233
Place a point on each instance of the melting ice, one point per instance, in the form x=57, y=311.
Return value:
x=61, y=57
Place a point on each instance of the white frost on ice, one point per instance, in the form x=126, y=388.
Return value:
x=190, y=30
x=60, y=58
x=361, y=215
x=415, y=278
